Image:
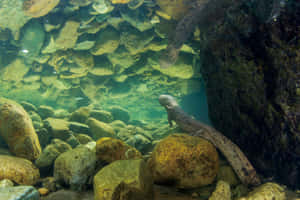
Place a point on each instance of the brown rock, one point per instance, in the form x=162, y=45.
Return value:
x=19, y=170
x=184, y=160
x=17, y=130
x=111, y=149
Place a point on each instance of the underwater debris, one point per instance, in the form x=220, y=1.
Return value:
x=231, y=151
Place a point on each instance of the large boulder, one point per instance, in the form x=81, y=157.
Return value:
x=75, y=167
x=111, y=149
x=186, y=161
x=17, y=130
x=19, y=170
x=124, y=179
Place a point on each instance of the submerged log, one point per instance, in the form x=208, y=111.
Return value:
x=239, y=162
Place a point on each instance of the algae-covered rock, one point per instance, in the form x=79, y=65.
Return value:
x=100, y=129
x=32, y=40
x=12, y=16
x=58, y=128
x=140, y=142
x=39, y=8
x=19, y=192
x=17, y=130
x=85, y=45
x=137, y=19
x=124, y=179
x=267, y=191
x=222, y=191
x=184, y=160
x=19, y=170
x=8, y=73
x=83, y=138
x=66, y=38
x=135, y=41
x=6, y=183
x=102, y=6
x=102, y=115
x=45, y=111
x=103, y=67
x=80, y=2
x=182, y=68
x=77, y=127
x=80, y=115
x=51, y=152
x=120, y=113
x=75, y=167
x=227, y=174
x=111, y=149
x=122, y=59
x=175, y=9
x=28, y=106
x=107, y=41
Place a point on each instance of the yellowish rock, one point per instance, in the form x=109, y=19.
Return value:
x=267, y=191
x=68, y=35
x=124, y=179
x=111, y=149
x=43, y=191
x=9, y=72
x=222, y=191
x=227, y=174
x=120, y=1
x=17, y=130
x=39, y=8
x=107, y=42
x=19, y=170
x=100, y=129
x=176, y=9
x=186, y=161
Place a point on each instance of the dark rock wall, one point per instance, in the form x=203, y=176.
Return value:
x=251, y=67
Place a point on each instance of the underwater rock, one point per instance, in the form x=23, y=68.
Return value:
x=39, y=8
x=17, y=130
x=85, y=45
x=115, y=22
x=102, y=115
x=182, y=68
x=120, y=1
x=111, y=149
x=83, y=138
x=137, y=19
x=61, y=113
x=175, y=9
x=107, y=42
x=58, y=128
x=186, y=161
x=267, y=191
x=8, y=73
x=6, y=183
x=28, y=106
x=120, y=113
x=73, y=141
x=43, y=191
x=227, y=174
x=77, y=127
x=75, y=167
x=125, y=179
x=19, y=170
x=45, y=111
x=70, y=194
x=103, y=67
x=102, y=6
x=222, y=191
x=134, y=4
x=122, y=59
x=80, y=115
x=51, y=152
x=12, y=16
x=140, y=142
x=33, y=36
x=35, y=118
x=100, y=129
x=80, y=2
x=117, y=125
x=135, y=41
x=66, y=38
x=19, y=192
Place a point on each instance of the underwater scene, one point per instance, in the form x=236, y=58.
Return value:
x=149, y=99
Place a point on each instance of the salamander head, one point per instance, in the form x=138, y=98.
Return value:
x=167, y=101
